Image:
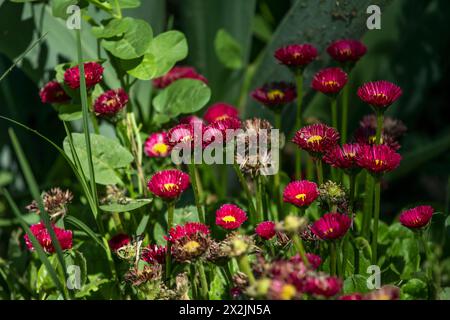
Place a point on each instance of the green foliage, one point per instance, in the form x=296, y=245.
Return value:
x=228, y=50
x=130, y=205
x=414, y=289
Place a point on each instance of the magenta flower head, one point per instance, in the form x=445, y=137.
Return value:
x=266, y=230
x=187, y=230
x=347, y=50
x=191, y=120
x=352, y=296
x=168, y=184
x=275, y=95
x=42, y=235
x=331, y=226
x=220, y=111
x=343, y=157
x=118, y=241
x=417, y=218
x=316, y=139
x=329, y=81
x=325, y=286
x=178, y=73
x=378, y=159
x=296, y=56
x=93, y=74
x=157, y=145
x=314, y=260
x=111, y=102
x=379, y=94
x=300, y=193
x=154, y=254
x=220, y=131
x=53, y=92
x=181, y=134
x=230, y=216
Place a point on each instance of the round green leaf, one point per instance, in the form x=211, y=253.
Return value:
x=228, y=50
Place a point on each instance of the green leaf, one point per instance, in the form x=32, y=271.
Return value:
x=228, y=50
x=59, y=7
x=218, y=286
x=115, y=27
x=5, y=178
x=69, y=112
x=131, y=205
x=355, y=283
x=126, y=4
x=94, y=284
x=445, y=294
x=165, y=50
x=135, y=41
x=83, y=227
x=107, y=156
x=414, y=289
x=182, y=96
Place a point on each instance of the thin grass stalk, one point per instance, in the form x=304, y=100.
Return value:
x=344, y=123
x=247, y=192
x=298, y=123
x=170, y=213
x=193, y=176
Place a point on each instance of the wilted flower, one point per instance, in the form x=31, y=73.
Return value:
x=392, y=130
x=332, y=193
x=55, y=203
x=154, y=254
x=266, y=230
x=118, y=241
x=416, y=218
x=308, y=235
x=187, y=230
x=391, y=127
x=157, y=145
x=236, y=245
x=331, y=226
x=300, y=193
x=190, y=247
x=378, y=159
x=53, y=92
x=346, y=50
x=329, y=81
x=178, y=73
x=316, y=139
x=292, y=224
x=343, y=157
x=322, y=285
x=230, y=216
x=93, y=72
x=275, y=95
x=111, y=102
x=168, y=184
x=296, y=56
x=379, y=94
x=42, y=235
x=220, y=111
x=148, y=273
x=387, y=292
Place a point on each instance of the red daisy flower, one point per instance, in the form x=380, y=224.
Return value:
x=417, y=218
x=111, y=102
x=187, y=230
x=378, y=159
x=331, y=226
x=53, y=92
x=379, y=94
x=316, y=139
x=191, y=120
x=42, y=235
x=266, y=230
x=178, y=73
x=220, y=111
x=220, y=131
x=168, y=184
x=230, y=216
x=325, y=286
x=346, y=50
x=296, y=55
x=118, y=241
x=181, y=134
x=300, y=193
x=157, y=145
x=154, y=254
x=275, y=94
x=329, y=81
x=93, y=74
x=343, y=157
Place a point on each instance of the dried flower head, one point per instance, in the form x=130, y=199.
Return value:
x=235, y=245
x=191, y=247
x=292, y=224
x=55, y=203
x=149, y=273
x=332, y=193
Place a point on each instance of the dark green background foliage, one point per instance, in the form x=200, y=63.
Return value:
x=411, y=49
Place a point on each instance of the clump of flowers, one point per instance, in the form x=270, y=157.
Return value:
x=53, y=92
x=42, y=235
x=93, y=72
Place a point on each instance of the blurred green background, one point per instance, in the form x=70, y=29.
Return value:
x=411, y=49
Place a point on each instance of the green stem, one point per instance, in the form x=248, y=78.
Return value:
x=298, y=243
x=204, y=283
x=376, y=218
x=319, y=170
x=345, y=94
x=345, y=243
x=193, y=175
x=170, y=212
x=259, y=203
x=368, y=206
x=244, y=266
x=380, y=120
x=428, y=269
x=246, y=190
x=298, y=124
x=277, y=175
x=332, y=258
x=352, y=178
x=334, y=117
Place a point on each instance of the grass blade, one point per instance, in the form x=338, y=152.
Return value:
x=82, y=226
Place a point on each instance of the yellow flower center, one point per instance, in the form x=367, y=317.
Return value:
x=378, y=162
x=346, y=52
x=110, y=102
x=328, y=231
x=274, y=94
x=229, y=219
x=314, y=139
x=170, y=186
x=297, y=55
x=301, y=196
x=186, y=138
x=287, y=292
x=222, y=117
x=191, y=246
x=160, y=148
x=330, y=83
x=380, y=95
